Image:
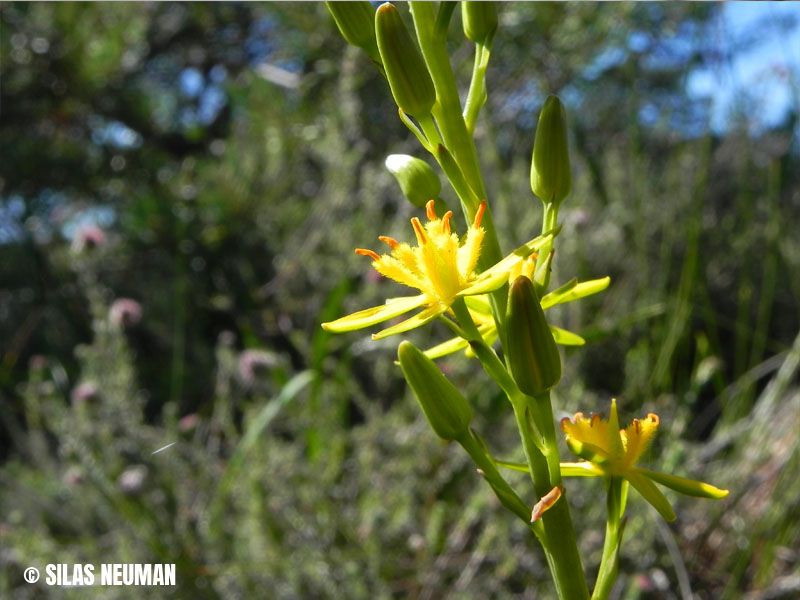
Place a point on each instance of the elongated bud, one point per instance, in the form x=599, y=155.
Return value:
x=416, y=178
x=356, y=23
x=532, y=353
x=447, y=410
x=408, y=76
x=551, y=178
x=479, y=20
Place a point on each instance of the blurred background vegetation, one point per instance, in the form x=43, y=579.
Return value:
x=181, y=188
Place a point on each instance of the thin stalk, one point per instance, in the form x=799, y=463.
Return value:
x=431, y=33
x=535, y=422
x=429, y=128
x=563, y=544
x=504, y=492
x=549, y=223
x=447, y=111
x=476, y=97
x=609, y=564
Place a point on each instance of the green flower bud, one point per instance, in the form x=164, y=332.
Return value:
x=447, y=410
x=532, y=353
x=479, y=20
x=416, y=178
x=356, y=23
x=408, y=76
x=551, y=179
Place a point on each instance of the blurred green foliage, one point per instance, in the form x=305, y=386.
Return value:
x=232, y=155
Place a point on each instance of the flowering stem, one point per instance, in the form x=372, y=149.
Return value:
x=562, y=542
x=454, y=132
x=536, y=427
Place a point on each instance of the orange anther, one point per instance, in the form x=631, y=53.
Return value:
x=430, y=210
x=419, y=231
x=389, y=241
x=446, y=221
x=479, y=215
x=367, y=252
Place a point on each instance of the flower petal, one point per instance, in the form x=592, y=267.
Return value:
x=418, y=319
x=637, y=436
x=566, y=338
x=479, y=304
x=616, y=444
x=652, y=494
x=377, y=314
x=570, y=291
x=580, y=469
x=690, y=487
x=452, y=345
x=497, y=275
x=589, y=437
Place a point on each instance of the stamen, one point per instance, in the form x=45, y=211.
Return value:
x=419, y=231
x=367, y=252
x=479, y=215
x=446, y=222
x=430, y=210
x=653, y=417
x=389, y=241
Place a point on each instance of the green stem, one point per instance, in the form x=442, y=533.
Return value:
x=476, y=97
x=447, y=112
x=535, y=422
x=504, y=492
x=432, y=36
x=609, y=564
x=562, y=542
x=429, y=128
x=549, y=223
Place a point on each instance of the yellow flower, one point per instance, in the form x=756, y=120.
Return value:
x=614, y=452
x=441, y=266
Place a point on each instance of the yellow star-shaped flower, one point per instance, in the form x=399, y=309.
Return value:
x=441, y=266
x=613, y=452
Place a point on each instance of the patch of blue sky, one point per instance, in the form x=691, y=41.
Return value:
x=761, y=75
x=115, y=134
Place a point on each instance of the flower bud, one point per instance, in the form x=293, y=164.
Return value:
x=416, y=178
x=446, y=409
x=406, y=72
x=551, y=179
x=479, y=20
x=532, y=353
x=356, y=23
